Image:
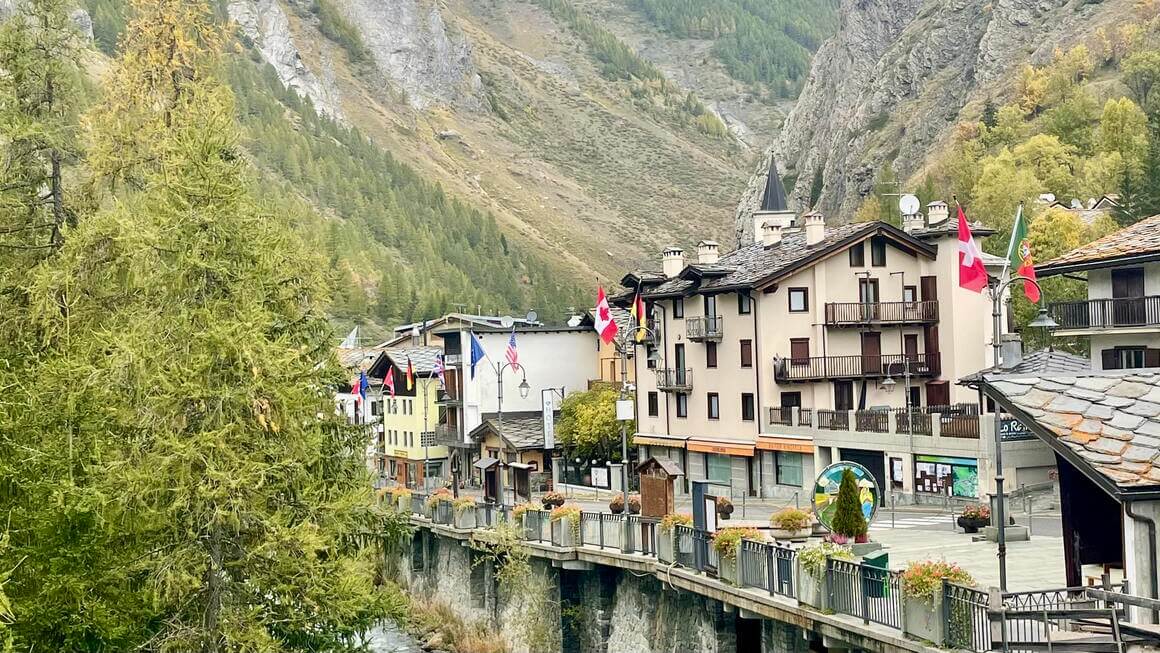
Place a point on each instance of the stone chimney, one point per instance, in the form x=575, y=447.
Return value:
x=708, y=252
x=771, y=234
x=1010, y=350
x=672, y=261
x=815, y=226
x=937, y=213
x=913, y=223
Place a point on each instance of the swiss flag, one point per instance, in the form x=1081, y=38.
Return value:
x=972, y=274
x=605, y=325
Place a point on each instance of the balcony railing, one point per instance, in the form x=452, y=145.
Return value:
x=853, y=367
x=1107, y=313
x=702, y=329
x=678, y=380
x=852, y=314
x=446, y=435
x=955, y=421
x=448, y=397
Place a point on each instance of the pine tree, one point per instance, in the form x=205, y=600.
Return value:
x=186, y=322
x=848, y=519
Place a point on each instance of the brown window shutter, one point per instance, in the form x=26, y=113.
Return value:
x=1152, y=358
x=1111, y=359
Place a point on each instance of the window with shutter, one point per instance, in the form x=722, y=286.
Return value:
x=1111, y=359
x=1152, y=358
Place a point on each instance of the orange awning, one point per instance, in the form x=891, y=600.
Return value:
x=658, y=441
x=718, y=446
x=766, y=443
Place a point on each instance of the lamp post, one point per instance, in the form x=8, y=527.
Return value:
x=524, y=389
x=1041, y=320
x=889, y=382
x=625, y=342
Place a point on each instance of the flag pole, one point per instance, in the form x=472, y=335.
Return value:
x=1011, y=244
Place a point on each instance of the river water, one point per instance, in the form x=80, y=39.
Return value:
x=388, y=639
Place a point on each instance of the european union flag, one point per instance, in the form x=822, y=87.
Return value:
x=476, y=352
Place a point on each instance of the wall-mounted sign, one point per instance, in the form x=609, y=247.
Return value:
x=826, y=491
x=549, y=398
x=1012, y=430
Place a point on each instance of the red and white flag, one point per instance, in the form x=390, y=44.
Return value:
x=389, y=381
x=605, y=325
x=512, y=354
x=972, y=274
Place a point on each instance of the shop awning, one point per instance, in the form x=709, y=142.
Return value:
x=794, y=445
x=725, y=447
x=657, y=440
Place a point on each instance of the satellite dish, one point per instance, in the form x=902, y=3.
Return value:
x=532, y=316
x=507, y=321
x=909, y=204
x=574, y=321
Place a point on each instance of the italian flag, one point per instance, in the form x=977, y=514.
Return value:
x=1019, y=255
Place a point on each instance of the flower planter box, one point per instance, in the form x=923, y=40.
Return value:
x=811, y=591
x=404, y=504
x=922, y=618
x=667, y=546
x=727, y=570
x=798, y=535
x=564, y=533
x=972, y=525
x=465, y=519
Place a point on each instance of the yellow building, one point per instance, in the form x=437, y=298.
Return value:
x=405, y=436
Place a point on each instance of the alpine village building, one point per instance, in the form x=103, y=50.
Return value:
x=795, y=351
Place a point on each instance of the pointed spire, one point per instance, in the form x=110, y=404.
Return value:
x=774, y=197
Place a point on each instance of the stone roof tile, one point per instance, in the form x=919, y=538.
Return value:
x=1117, y=434
x=1142, y=237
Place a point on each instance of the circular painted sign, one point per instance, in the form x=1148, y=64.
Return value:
x=826, y=491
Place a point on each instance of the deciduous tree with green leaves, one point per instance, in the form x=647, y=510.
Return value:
x=588, y=425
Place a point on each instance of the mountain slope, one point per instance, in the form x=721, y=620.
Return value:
x=886, y=90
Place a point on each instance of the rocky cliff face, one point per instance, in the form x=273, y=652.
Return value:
x=418, y=52
x=897, y=76
x=266, y=24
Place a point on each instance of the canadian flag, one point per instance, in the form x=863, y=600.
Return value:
x=605, y=325
x=972, y=274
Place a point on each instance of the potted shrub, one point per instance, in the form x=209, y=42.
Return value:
x=812, y=561
x=727, y=544
x=434, y=501
x=616, y=505
x=463, y=510
x=552, y=499
x=667, y=541
x=974, y=517
x=922, y=597
x=724, y=507
x=848, y=524
x=791, y=524
x=518, y=513
x=565, y=522
x=634, y=504
x=402, y=499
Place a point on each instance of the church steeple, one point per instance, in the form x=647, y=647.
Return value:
x=774, y=198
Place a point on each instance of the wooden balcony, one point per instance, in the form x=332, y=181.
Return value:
x=678, y=380
x=705, y=329
x=446, y=435
x=855, y=314
x=820, y=368
x=1096, y=314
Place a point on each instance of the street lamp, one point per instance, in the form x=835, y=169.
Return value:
x=1042, y=320
x=889, y=381
x=625, y=341
x=524, y=389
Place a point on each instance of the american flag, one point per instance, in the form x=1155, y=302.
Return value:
x=513, y=356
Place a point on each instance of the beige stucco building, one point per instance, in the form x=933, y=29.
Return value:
x=805, y=326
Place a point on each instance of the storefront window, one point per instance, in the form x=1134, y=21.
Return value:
x=957, y=477
x=789, y=468
x=718, y=468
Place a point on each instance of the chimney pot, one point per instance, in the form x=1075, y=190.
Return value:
x=815, y=226
x=913, y=223
x=937, y=213
x=771, y=234
x=672, y=261
x=708, y=252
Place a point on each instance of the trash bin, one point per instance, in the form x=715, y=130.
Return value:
x=876, y=575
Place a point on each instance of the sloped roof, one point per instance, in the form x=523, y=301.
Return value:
x=1106, y=423
x=359, y=358
x=1132, y=243
x=1045, y=362
x=521, y=430
x=774, y=197
x=756, y=264
x=422, y=358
